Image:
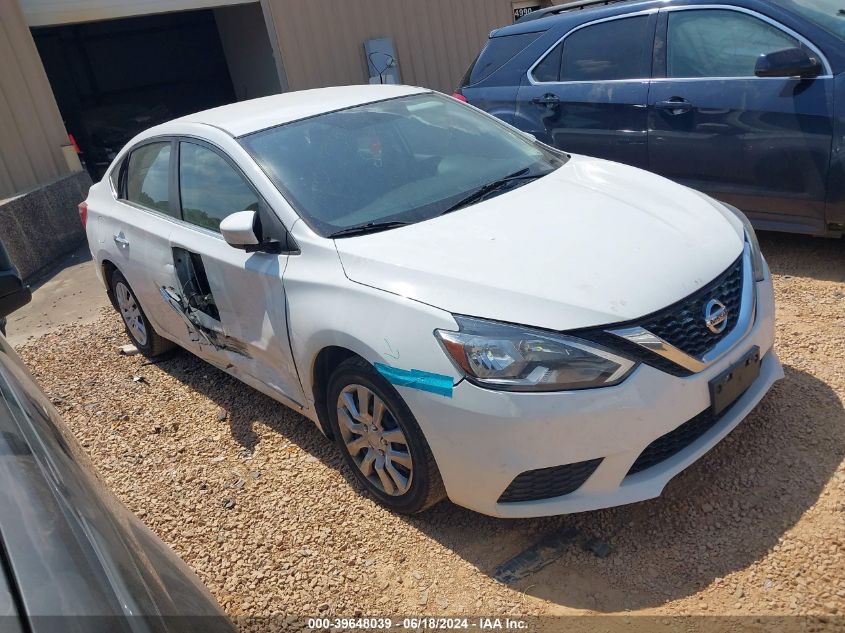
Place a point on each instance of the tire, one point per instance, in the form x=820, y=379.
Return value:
x=138, y=328
x=381, y=443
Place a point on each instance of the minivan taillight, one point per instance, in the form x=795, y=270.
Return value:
x=459, y=97
x=83, y=214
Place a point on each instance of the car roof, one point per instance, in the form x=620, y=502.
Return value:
x=568, y=7
x=253, y=115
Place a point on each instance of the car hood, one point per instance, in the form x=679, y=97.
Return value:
x=593, y=243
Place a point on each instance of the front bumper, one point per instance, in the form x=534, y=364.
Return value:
x=483, y=439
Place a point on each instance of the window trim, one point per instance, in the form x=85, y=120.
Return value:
x=661, y=63
x=530, y=72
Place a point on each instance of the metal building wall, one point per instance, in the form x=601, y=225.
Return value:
x=321, y=41
x=31, y=129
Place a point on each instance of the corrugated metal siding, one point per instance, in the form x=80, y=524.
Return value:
x=31, y=128
x=322, y=41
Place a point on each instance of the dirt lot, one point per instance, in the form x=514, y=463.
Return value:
x=756, y=527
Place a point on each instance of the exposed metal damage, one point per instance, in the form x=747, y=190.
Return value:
x=195, y=304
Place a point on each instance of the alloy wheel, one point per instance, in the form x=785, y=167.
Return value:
x=131, y=312
x=374, y=439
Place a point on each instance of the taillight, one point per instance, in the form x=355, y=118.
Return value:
x=459, y=97
x=83, y=214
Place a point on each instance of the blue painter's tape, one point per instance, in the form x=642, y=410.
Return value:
x=416, y=379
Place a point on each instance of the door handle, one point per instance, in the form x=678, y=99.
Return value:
x=548, y=99
x=674, y=106
x=120, y=240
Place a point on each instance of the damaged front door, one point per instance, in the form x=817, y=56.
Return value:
x=232, y=303
x=194, y=302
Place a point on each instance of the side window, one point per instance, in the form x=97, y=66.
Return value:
x=115, y=177
x=719, y=43
x=549, y=69
x=148, y=177
x=607, y=50
x=497, y=52
x=210, y=187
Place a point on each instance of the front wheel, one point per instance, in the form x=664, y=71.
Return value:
x=380, y=439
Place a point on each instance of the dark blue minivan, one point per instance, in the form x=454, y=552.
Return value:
x=744, y=100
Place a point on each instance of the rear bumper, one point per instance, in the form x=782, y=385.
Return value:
x=483, y=439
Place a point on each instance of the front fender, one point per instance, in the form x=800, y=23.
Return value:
x=326, y=309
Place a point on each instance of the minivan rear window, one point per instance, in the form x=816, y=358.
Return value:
x=498, y=52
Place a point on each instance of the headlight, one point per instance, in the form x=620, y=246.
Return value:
x=751, y=238
x=515, y=358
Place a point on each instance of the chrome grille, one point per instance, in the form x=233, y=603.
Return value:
x=682, y=324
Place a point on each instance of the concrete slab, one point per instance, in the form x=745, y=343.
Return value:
x=68, y=293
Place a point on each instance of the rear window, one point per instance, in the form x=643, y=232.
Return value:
x=498, y=52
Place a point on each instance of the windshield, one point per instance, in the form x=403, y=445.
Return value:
x=828, y=14
x=399, y=161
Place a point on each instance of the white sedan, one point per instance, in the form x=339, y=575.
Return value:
x=465, y=311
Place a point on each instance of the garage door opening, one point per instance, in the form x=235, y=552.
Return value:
x=115, y=78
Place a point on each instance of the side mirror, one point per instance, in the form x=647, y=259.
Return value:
x=243, y=230
x=239, y=229
x=791, y=62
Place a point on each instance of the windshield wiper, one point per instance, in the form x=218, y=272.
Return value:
x=490, y=187
x=369, y=227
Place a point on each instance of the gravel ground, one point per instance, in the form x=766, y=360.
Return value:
x=255, y=500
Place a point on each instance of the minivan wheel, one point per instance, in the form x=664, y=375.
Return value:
x=142, y=334
x=380, y=439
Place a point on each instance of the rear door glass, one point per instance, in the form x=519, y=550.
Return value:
x=148, y=177
x=599, y=52
x=608, y=50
